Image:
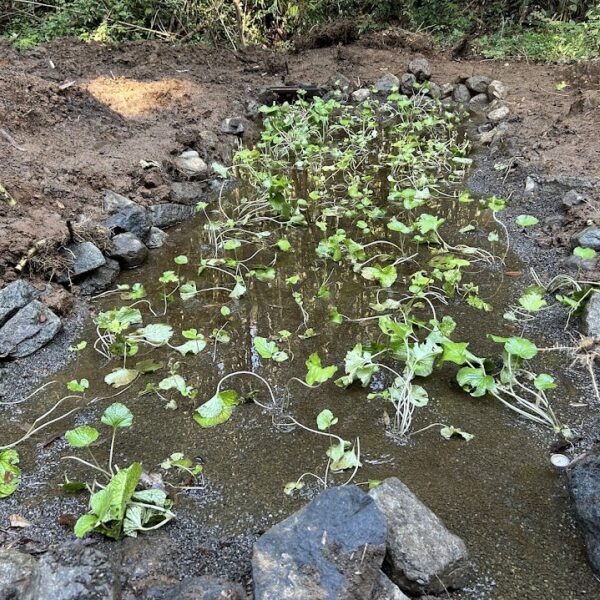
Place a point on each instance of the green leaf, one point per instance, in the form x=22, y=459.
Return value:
x=148, y=366
x=358, y=365
x=475, y=381
x=78, y=386
x=117, y=415
x=325, y=420
x=168, y=277
x=521, y=347
x=292, y=486
x=181, y=260
x=82, y=436
x=532, y=299
x=284, y=245
x=157, y=334
x=188, y=290
x=238, y=291
x=544, y=382
x=121, y=377
x=231, y=244
x=269, y=349
x=386, y=276
x=174, y=382
x=217, y=410
x=316, y=372
x=78, y=347
x=526, y=220
x=584, y=253
x=449, y=432
x=191, y=347
x=455, y=352
x=10, y=474
x=85, y=524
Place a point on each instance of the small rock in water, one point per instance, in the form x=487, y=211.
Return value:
x=156, y=238
x=560, y=461
x=387, y=83
x=461, y=93
x=420, y=68
x=133, y=219
x=29, y=330
x=497, y=90
x=422, y=555
x=113, y=202
x=361, y=95
x=207, y=587
x=187, y=192
x=100, y=279
x=584, y=486
x=590, y=319
x=233, y=126
x=190, y=164
x=587, y=238
x=15, y=573
x=167, y=215
x=129, y=250
x=331, y=548
x=407, y=84
x=85, y=257
x=478, y=84
x=573, y=198
x=499, y=114
x=14, y=296
x=74, y=572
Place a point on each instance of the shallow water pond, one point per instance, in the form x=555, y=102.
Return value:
x=498, y=490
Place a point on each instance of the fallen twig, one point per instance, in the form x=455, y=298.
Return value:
x=11, y=140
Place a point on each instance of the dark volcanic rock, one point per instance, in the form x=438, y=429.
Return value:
x=29, y=330
x=129, y=250
x=461, y=93
x=407, y=84
x=422, y=555
x=100, y=279
x=233, y=126
x=187, y=192
x=166, y=215
x=133, y=219
x=573, y=198
x=74, y=572
x=387, y=83
x=420, y=68
x=15, y=296
x=591, y=316
x=331, y=548
x=113, y=202
x=207, y=588
x=386, y=589
x=85, y=257
x=156, y=238
x=584, y=485
x=588, y=238
x=478, y=84
x=15, y=571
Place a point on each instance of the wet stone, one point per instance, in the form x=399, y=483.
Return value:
x=422, y=555
x=187, y=192
x=387, y=83
x=478, y=84
x=14, y=296
x=156, y=238
x=29, y=330
x=207, y=587
x=15, y=571
x=587, y=238
x=420, y=68
x=166, y=215
x=129, y=250
x=331, y=548
x=100, y=279
x=584, y=486
x=591, y=316
x=133, y=219
x=113, y=202
x=85, y=257
x=461, y=93
x=74, y=572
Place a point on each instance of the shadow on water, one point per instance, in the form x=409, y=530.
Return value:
x=498, y=491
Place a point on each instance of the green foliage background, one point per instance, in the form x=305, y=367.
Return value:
x=554, y=29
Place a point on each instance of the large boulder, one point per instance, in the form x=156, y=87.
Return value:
x=133, y=219
x=14, y=296
x=101, y=279
x=84, y=257
x=478, y=84
x=588, y=238
x=167, y=215
x=74, y=572
x=497, y=90
x=590, y=319
x=584, y=485
x=332, y=548
x=129, y=250
x=15, y=571
x=461, y=93
x=29, y=330
x=420, y=68
x=422, y=555
x=207, y=587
